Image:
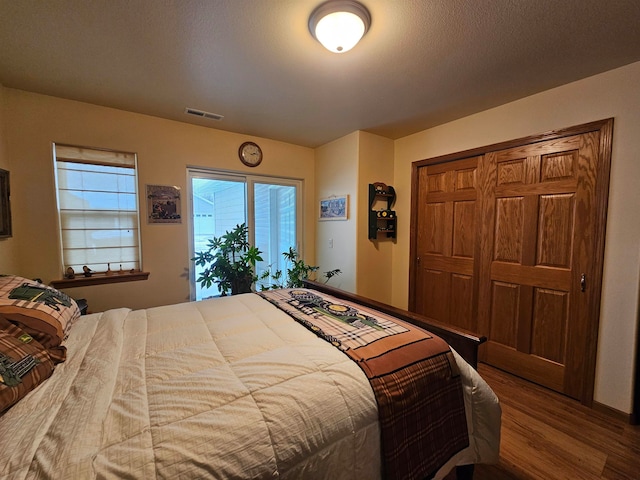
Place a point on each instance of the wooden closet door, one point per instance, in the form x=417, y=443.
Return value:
x=445, y=287
x=538, y=244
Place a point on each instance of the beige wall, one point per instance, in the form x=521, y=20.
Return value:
x=374, y=256
x=165, y=148
x=8, y=253
x=337, y=174
x=4, y=161
x=612, y=94
x=347, y=166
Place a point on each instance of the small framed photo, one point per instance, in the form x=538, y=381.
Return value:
x=163, y=204
x=334, y=208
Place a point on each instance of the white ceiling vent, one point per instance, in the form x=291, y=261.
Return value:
x=203, y=114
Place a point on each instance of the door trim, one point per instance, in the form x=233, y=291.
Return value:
x=605, y=130
x=249, y=182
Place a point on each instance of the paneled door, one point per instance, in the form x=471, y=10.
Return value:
x=507, y=241
x=445, y=287
x=537, y=269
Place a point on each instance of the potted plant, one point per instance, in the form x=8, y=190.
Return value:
x=296, y=271
x=229, y=261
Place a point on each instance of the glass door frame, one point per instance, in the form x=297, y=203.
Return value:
x=250, y=181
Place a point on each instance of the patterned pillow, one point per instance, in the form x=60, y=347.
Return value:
x=24, y=364
x=41, y=311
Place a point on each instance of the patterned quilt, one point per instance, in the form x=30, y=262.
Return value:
x=227, y=388
x=413, y=375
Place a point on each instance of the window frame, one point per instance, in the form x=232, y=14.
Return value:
x=99, y=155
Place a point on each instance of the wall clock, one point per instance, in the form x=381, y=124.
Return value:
x=250, y=154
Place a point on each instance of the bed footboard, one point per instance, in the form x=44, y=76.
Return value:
x=463, y=342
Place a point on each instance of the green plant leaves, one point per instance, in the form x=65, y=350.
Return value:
x=230, y=263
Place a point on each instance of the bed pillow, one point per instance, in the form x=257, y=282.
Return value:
x=41, y=311
x=24, y=364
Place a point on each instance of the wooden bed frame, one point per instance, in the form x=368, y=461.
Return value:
x=463, y=342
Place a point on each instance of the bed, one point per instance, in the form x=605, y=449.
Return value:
x=228, y=388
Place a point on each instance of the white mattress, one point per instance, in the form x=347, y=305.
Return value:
x=223, y=388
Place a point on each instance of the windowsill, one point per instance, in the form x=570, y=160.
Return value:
x=98, y=279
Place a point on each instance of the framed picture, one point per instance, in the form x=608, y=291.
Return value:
x=163, y=204
x=334, y=208
x=5, y=205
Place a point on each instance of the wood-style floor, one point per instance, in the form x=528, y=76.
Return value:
x=548, y=436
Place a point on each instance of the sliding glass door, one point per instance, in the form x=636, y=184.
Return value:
x=218, y=204
x=269, y=206
x=275, y=223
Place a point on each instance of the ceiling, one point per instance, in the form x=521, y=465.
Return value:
x=422, y=63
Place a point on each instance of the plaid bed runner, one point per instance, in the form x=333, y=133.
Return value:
x=413, y=375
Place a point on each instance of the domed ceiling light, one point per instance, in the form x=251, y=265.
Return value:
x=339, y=24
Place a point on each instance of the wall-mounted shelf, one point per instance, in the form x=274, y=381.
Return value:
x=382, y=219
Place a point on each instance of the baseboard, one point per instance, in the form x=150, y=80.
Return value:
x=612, y=412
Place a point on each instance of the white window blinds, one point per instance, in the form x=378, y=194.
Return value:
x=98, y=209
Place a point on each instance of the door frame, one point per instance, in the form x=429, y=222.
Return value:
x=249, y=181
x=635, y=412
x=605, y=130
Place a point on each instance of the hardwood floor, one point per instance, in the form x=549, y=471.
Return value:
x=548, y=436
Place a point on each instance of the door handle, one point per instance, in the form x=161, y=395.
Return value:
x=583, y=282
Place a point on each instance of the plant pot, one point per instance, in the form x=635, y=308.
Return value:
x=241, y=285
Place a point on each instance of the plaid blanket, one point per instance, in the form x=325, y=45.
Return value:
x=412, y=372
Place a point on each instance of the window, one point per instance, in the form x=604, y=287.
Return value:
x=98, y=209
x=269, y=206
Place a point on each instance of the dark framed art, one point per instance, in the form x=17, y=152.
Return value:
x=163, y=204
x=5, y=205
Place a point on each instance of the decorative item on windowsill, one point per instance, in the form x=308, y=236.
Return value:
x=70, y=274
x=87, y=271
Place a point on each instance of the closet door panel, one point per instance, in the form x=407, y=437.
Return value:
x=433, y=294
x=508, y=242
x=461, y=300
x=508, y=230
x=436, y=222
x=537, y=227
x=548, y=332
x=505, y=301
x=555, y=232
x=447, y=216
x=464, y=232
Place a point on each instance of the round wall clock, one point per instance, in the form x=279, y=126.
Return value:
x=250, y=154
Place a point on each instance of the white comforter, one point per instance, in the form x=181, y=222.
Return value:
x=223, y=388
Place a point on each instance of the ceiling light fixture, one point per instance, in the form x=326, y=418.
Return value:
x=339, y=24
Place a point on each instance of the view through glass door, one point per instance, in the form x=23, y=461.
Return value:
x=269, y=207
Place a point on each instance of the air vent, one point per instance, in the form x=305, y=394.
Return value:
x=203, y=114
